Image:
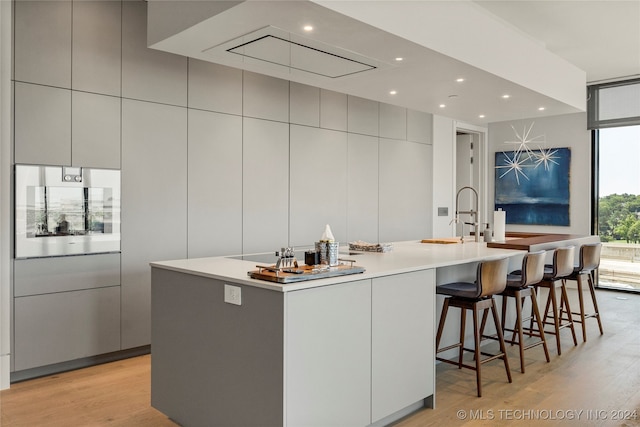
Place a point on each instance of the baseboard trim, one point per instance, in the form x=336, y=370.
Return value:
x=56, y=368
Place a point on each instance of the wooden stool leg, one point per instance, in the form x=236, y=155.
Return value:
x=536, y=315
x=571, y=325
x=463, y=321
x=476, y=339
x=519, y=329
x=443, y=318
x=503, y=318
x=552, y=299
x=518, y=323
x=483, y=324
x=595, y=303
x=503, y=348
x=581, y=303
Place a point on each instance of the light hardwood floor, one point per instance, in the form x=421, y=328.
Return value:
x=589, y=385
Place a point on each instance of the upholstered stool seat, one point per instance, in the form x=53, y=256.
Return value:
x=491, y=279
x=459, y=289
x=519, y=288
x=589, y=262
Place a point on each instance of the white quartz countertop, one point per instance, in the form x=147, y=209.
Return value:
x=405, y=257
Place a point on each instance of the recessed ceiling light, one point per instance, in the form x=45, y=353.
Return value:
x=506, y=96
x=442, y=105
x=399, y=59
x=460, y=80
x=307, y=28
x=540, y=108
x=393, y=92
x=481, y=116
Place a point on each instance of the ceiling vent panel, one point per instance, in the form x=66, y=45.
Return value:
x=275, y=47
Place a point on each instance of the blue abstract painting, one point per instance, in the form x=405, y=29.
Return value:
x=532, y=186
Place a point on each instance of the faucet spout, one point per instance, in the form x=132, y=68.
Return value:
x=472, y=213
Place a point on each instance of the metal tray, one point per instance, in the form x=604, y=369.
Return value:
x=302, y=273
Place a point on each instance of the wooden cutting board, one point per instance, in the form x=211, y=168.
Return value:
x=305, y=272
x=442, y=240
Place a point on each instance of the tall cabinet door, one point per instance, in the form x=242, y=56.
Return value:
x=97, y=46
x=265, y=184
x=215, y=184
x=43, y=42
x=402, y=341
x=328, y=353
x=154, y=197
x=405, y=190
x=42, y=125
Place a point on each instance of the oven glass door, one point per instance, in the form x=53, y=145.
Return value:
x=66, y=211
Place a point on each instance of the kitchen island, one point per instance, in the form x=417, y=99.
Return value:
x=352, y=350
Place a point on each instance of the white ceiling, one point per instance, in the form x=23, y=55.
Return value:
x=541, y=53
x=599, y=37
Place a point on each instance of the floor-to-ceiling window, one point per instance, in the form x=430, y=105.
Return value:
x=619, y=206
x=614, y=115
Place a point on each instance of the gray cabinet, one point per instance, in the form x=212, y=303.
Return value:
x=318, y=169
x=43, y=42
x=95, y=131
x=328, y=356
x=154, y=200
x=97, y=33
x=402, y=341
x=65, y=308
x=363, y=116
x=333, y=110
x=419, y=126
x=215, y=184
x=265, y=185
x=393, y=122
x=63, y=274
x=149, y=74
x=62, y=127
x=362, y=188
x=265, y=97
x=215, y=87
x=405, y=190
x=59, y=327
x=305, y=105
x=358, y=352
x=42, y=128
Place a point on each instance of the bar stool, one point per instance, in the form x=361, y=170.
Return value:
x=589, y=262
x=553, y=274
x=519, y=287
x=491, y=279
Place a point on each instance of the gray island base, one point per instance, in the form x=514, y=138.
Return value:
x=346, y=351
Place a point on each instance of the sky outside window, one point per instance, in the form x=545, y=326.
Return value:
x=619, y=160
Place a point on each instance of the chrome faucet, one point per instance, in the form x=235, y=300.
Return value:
x=473, y=213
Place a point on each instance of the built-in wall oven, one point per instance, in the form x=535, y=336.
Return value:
x=66, y=211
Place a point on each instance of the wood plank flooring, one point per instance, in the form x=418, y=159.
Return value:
x=593, y=384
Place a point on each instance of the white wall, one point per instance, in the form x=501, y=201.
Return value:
x=570, y=131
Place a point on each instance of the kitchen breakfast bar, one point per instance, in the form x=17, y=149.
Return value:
x=351, y=350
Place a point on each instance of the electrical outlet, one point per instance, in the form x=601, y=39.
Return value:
x=233, y=294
